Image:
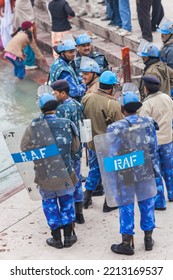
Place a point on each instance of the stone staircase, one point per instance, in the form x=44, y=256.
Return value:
x=108, y=41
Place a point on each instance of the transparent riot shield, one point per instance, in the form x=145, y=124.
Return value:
x=38, y=159
x=143, y=43
x=44, y=89
x=129, y=87
x=165, y=24
x=125, y=165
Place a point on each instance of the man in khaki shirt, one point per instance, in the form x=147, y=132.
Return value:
x=159, y=106
x=102, y=109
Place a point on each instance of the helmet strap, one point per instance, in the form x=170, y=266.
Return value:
x=92, y=79
x=168, y=38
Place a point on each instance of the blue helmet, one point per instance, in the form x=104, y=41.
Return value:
x=89, y=65
x=44, y=99
x=130, y=101
x=149, y=50
x=66, y=45
x=108, y=78
x=166, y=28
x=129, y=97
x=83, y=39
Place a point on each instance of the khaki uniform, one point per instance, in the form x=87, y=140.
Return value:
x=93, y=104
x=159, y=106
x=164, y=73
x=93, y=87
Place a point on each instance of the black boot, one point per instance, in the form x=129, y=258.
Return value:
x=124, y=248
x=148, y=241
x=56, y=240
x=79, y=214
x=107, y=209
x=69, y=236
x=99, y=190
x=87, y=199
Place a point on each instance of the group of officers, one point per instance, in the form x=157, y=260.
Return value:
x=83, y=87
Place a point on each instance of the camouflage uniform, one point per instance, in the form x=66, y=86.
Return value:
x=72, y=110
x=60, y=69
x=146, y=206
x=98, y=57
x=64, y=213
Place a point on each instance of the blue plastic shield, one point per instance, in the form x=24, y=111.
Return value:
x=125, y=165
x=38, y=159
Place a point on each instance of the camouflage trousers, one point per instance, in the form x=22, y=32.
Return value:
x=147, y=221
x=59, y=211
x=165, y=153
x=94, y=176
x=78, y=193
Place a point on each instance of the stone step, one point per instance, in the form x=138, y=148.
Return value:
x=111, y=50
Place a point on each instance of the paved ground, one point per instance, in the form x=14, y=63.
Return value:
x=23, y=228
x=23, y=231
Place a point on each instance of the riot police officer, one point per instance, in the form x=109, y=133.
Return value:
x=101, y=108
x=72, y=110
x=61, y=68
x=90, y=73
x=130, y=105
x=154, y=66
x=83, y=43
x=58, y=204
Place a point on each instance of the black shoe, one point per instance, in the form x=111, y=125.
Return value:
x=122, y=249
x=87, y=199
x=55, y=243
x=69, y=236
x=107, y=209
x=70, y=240
x=160, y=209
x=170, y=200
x=105, y=18
x=79, y=213
x=80, y=218
x=148, y=241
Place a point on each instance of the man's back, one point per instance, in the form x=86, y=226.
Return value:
x=95, y=104
x=159, y=106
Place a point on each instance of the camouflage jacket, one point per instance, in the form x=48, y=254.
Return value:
x=59, y=132
x=151, y=138
x=72, y=110
x=60, y=69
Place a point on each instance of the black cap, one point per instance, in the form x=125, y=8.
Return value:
x=152, y=83
x=50, y=106
x=149, y=79
x=60, y=85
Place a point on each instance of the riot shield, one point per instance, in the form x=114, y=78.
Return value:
x=125, y=165
x=165, y=23
x=44, y=89
x=130, y=87
x=38, y=159
x=142, y=44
